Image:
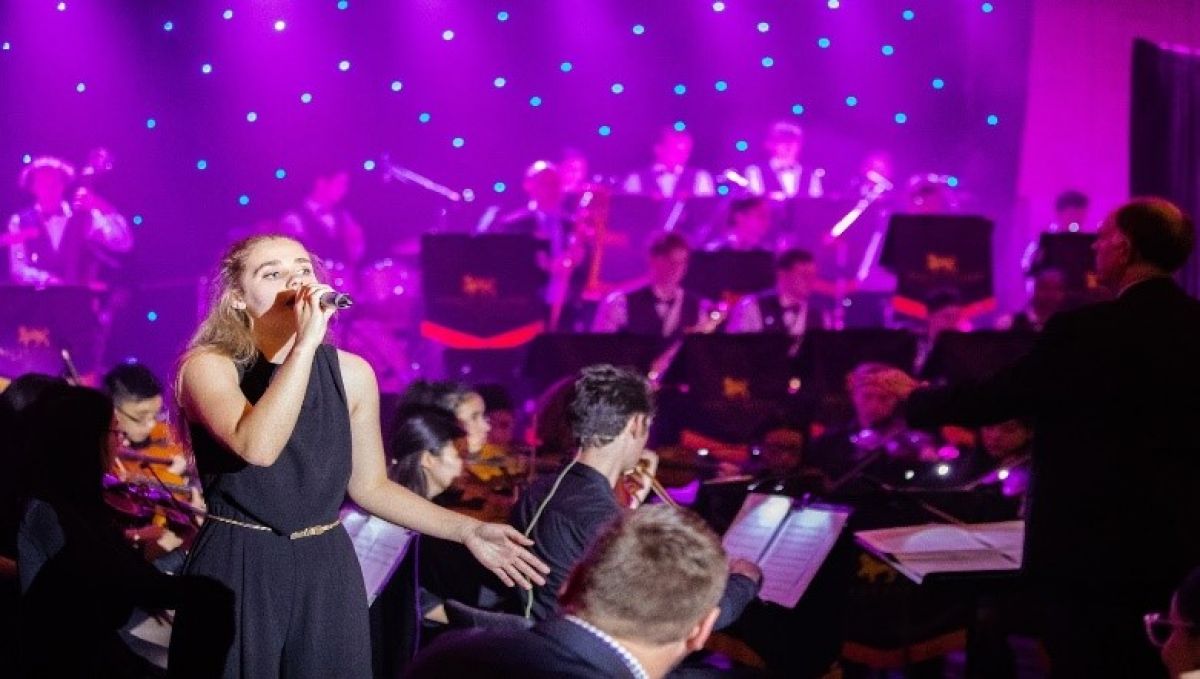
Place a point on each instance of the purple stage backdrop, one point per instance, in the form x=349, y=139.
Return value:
x=218, y=114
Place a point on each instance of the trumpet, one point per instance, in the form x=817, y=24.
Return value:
x=643, y=469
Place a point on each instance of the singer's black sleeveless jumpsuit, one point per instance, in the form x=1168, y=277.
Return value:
x=299, y=608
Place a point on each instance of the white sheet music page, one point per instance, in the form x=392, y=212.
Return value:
x=919, y=551
x=755, y=524
x=379, y=545
x=800, y=547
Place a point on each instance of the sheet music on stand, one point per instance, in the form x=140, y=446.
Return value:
x=380, y=547
x=942, y=549
x=788, y=543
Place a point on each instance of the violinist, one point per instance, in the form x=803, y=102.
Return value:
x=63, y=238
x=610, y=418
x=153, y=471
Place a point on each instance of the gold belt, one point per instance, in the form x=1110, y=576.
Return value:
x=311, y=531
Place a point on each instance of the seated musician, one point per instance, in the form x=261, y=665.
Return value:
x=610, y=417
x=641, y=598
x=79, y=581
x=1049, y=296
x=61, y=239
x=149, y=457
x=425, y=451
x=662, y=308
x=791, y=308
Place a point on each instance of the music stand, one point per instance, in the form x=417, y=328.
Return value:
x=482, y=291
x=727, y=275
x=36, y=324
x=1070, y=253
x=937, y=252
x=827, y=356
x=962, y=356
x=552, y=357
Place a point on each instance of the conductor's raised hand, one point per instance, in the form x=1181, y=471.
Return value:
x=502, y=550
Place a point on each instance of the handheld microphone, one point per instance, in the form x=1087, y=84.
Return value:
x=339, y=300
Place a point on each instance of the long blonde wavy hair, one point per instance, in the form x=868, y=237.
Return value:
x=227, y=330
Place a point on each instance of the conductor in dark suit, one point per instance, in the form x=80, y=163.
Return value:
x=1113, y=391
x=643, y=597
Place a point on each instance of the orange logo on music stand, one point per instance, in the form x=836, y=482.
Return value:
x=941, y=264
x=479, y=286
x=733, y=388
x=33, y=337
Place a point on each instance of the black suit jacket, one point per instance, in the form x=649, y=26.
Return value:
x=1114, y=390
x=554, y=648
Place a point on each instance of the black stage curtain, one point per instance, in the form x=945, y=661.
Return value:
x=1164, y=132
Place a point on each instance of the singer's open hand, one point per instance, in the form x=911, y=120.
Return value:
x=312, y=320
x=502, y=550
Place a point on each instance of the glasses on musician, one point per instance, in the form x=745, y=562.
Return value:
x=1159, y=627
x=148, y=418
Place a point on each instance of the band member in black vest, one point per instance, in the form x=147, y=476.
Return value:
x=324, y=226
x=782, y=176
x=791, y=307
x=57, y=241
x=662, y=308
x=670, y=177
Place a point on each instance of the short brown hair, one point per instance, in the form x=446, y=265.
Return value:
x=1158, y=231
x=668, y=243
x=652, y=575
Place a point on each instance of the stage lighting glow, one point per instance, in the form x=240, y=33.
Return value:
x=993, y=119
x=535, y=101
x=823, y=43
x=344, y=65
x=987, y=7
x=952, y=181
x=62, y=6
x=833, y=4
x=499, y=187
x=81, y=87
x=151, y=123
x=424, y=118
x=281, y=173
x=768, y=62
x=343, y=5
x=679, y=126
x=306, y=98
x=6, y=46
x=280, y=24
x=152, y=316
x=741, y=145
x=604, y=130
x=938, y=83
x=638, y=29
x=722, y=190
x=458, y=142
x=566, y=67
x=852, y=100
x=447, y=35
x=27, y=159
x=206, y=68
x=718, y=6
x=227, y=14
x=137, y=220
x=499, y=81
x=797, y=109
x=887, y=50
x=368, y=165
x=680, y=89
x=901, y=118
x=908, y=15
x=617, y=88
x=202, y=164
x=721, y=86
x=501, y=16
x=397, y=85
x=169, y=26
x=243, y=200
x=251, y=117
x=763, y=27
